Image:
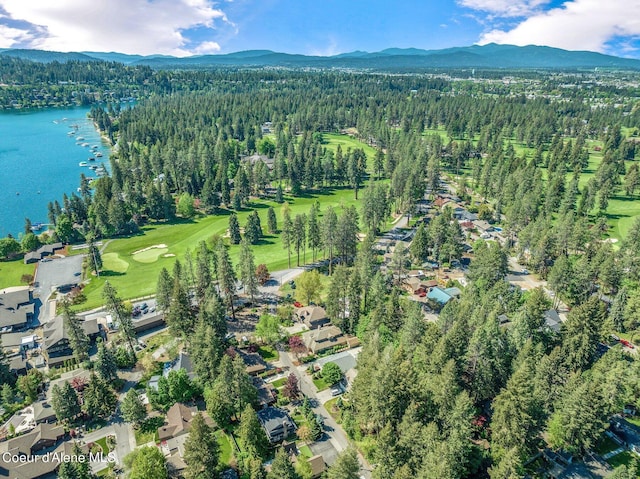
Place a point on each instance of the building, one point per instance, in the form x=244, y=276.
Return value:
x=314, y=317
x=254, y=362
x=317, y=466
x=37, y=469
x=442, y=296
x=483, y=226
x=16, y=307
x=277, y=424
x=183, y=361
x=253, y=159
x=178, y=422
x=266, y=392
x=42, y=252
x=552, y=320
x=148, y=321
x=56, y=345
x=323, y=339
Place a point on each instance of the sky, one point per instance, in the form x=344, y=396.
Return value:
x=316, y=27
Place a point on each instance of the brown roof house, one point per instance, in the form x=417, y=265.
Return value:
x=320, y=340
x=254, y=362
x=16, y=306
x=56, y=346
x=312, y=316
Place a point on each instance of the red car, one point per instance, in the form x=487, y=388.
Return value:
x=626, y=343
x=298, y=304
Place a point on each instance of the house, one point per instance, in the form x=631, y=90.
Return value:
x=439, y=295
x=266, y=392
x=317, y=466
x=254, y=362
x=16, y=307
x=483, y=226
x=43, y=412
x=552, y=320
x=56, y=345
x=345, y=360
x=182, y=362
x=178, y=421
x=277, y=423
x=32, y=257
x=153, y=382
x=314, y=317
x=412, y=284
x=253, y=159
x=39, y=438
x=320, y=340
x=42, y=252
x=18, y=365
x=35, y=469
x=462, y=214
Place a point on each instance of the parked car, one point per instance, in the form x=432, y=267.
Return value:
x=297, y=304
x=626, y=343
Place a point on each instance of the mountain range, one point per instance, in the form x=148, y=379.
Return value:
x=476, y=56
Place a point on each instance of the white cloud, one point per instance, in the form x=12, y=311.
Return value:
x=576, y=25
x=127, y=26
x=206, y=48
x=10, y=37
x=505, y=8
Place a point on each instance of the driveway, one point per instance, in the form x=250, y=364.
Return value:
x=51, y=274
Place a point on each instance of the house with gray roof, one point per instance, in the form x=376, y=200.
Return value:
x=16, y=307
x=277, y=423
x=56, y=345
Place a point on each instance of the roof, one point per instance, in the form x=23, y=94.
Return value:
x=439, y=295
x=253, y=361
x=483, y=225
x=179, y=419
x=345, y=361
x=317, y=465
x=55, y=330
x=24, y=443
x=183, y=361
x=42, y=411
x=265, y=391
x=312, y=313
x=273, y=418
x=453, y=291
x=552, y=320
x=15, y=305
x=49, y=248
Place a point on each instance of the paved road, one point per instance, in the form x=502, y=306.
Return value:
x=335, y=440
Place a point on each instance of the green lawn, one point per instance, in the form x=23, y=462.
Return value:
x=624, y=458
x=268, y=353
x=103, y=444
x=321, y=384
x=12, y=271
x=305, y=451
x=135, y=275
x=226, y=451
x=278, y=383
x=148, y=430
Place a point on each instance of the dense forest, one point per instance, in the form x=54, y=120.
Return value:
x=464, y=396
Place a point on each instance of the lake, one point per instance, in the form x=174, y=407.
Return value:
x=39, y=161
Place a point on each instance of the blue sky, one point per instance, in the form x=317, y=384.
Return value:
x=321, y=27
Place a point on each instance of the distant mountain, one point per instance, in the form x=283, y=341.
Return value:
x=491, y=56
x=42, y=56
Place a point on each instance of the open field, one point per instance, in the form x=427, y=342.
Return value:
x=12, y=271
x=135, y=275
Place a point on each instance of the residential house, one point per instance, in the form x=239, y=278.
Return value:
x=32, y=257
x=254, y=362
x=266, y=392
x=16, y=307
x=277, y=423
x=43, y=412
x=314, y=317
x=18, y=365
x=56, y=345
x=320, y=340
x=461, y=214
x=41, y=437
x=35, y=469
x=253, y=159
x=443, y=296
x=178, y=421
x=42, y=252
x=483, y=226
x=552, y=320
x=183, y=361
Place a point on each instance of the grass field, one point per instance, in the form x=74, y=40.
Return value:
x=134, y=272
x=12, y=271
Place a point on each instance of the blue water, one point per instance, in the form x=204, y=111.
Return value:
x=39, y=161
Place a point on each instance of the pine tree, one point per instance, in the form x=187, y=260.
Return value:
x=226, y=277
x=106, y=364
x=253, y=230
x=164, y=288
x=77, y=468
x=299, y=234
x=287, y=234
x=94, y=257
x=206, y=349
x=254, y=440
x=114, y=305
x=313, y=231
x=77, y=336
x=180, y=318
x=281, y=468
x=247, y=269
x=65, y=403
x=201, y=450
x=99, y=398
x=346, y=466
x=329, y=237
x=234, y=229
x=133, y=410
x=272, y=222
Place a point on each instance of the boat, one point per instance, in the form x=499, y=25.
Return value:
x=94, y=147
x=36, y=227
x=71, y=133
x=91, y=158
x=85, y=144
x=93, y=167
x=82, y=163
x=80, y=138
x=99, y=155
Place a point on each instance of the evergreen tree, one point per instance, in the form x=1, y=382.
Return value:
x=77, y=468
x=329, y=236
x=288, y=239
x=253, y=230
x=272, y=223
x=115, y=306
x=247, y=269
x=254, y=440
x=99, y=398
x=164, y=289
x=133, y=410
x=226, y=277
x=234, y=229
x=314, y=240
x=346, y=466
x=180, y=317
x=94, y=257
x=106, y=363
x=281, y=467
x=201, y=450
x=206, y=348
x=146, y=463
x=77, y=336
x=65, y=403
